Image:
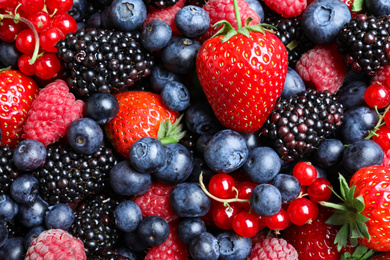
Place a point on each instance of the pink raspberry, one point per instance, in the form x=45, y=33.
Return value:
x=381, y=75
x=56, y=244
x=273, y=249
x=322, y=68
x=51, y=113
x=287, y=8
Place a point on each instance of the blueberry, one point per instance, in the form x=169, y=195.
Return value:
x=153, y=230
x=33, y=215
x=360, y=154
x=189, y=228
x=134, y=242
x=85, y=136
x=3, y=235
x=288, y=185
x=202, y=141
x=322, y=20
x=147, y=155
x=189, y=200
x=328, y=153
x=355, y=76
x=293, y=84
x=81, y=25
x=233, y=246
x=79, y=10
x=156, y=35
x=262, y=165
x=175, y=96
x=204, y=247
x=29, y=155
x=178, y=164
x=252, y=140
x=200, y=119
x=127, y=216
x=192, y=21
x=24, y=189
x=266, y=200
x=95, y=20
x=160, y=76
x=357, y=122
x=378, y=7
x=200, y=167
x=127, y=15
x=126, y=181
x=9, y=55
x=124, y=251
x=179, y=55
x=257, y=8
x=226, y=151
x=105, y=20
x=352, y=94
x=32, y=235
x=8, y=208
x=59, y=216
x=101, y=107
x=13, y=249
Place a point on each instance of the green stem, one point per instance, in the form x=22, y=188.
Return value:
x=237, y=12
x=379, y=123
x=5, y=69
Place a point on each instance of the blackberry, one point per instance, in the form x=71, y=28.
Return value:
x=98, y=60
x=68, y=176
x=299, y=123
x=365, y=43
x=94, y=225
x=160, y=4
x=15, y=228
x=290, y=33
x=8, y=171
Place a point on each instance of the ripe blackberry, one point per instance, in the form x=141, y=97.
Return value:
x=94, y=225
x=102, y=61
x=160, y=4
x=289, y=31
x=365, y=43
x=298, y=124
x=15, y=228
x=68, y=176
x=8, y=171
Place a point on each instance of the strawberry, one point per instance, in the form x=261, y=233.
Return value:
x=140, y=115
x=242, y=74
x=17, y=93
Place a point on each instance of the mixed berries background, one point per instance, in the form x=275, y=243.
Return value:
x=187, y=129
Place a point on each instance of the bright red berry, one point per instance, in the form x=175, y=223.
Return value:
x=47, y=66
x=320, y=190
x=244, y=192
x=60, y=6
x=302, y=211
x=65, y=23
x=278, y=222
x=223, y=215
x=40, y=20
x=32, y=6
x=221, y=185
x=24, y=64
x=383, y=136
x=9, y=30
x=305, y=172
x=246, y=224
x=377, y=96
x=49, y=38
x=25, y=41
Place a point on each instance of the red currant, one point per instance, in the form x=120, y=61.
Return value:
x=301, y=211
x=223, y=216
x=9, y=30
x=246, y=224
x=278, y=222
x=377, y=96
x=65, y=23
x=62, y=6
x=40, y=20
x=25, y=66
x=8, y=3
x=319, y=190
x=221, y=185
x=383, y=137
x=25, y=41
x=47, y=66
x=32, y=6
x=305, y=172
x=244, y=192
x=261, y=221
x=49, y=38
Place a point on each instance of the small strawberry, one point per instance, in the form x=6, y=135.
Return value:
x=242, y=74
x=140, y=114
x=17, y=93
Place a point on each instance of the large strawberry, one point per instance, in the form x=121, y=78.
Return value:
x=17, y=93
x=140, y=114
x=242, y=74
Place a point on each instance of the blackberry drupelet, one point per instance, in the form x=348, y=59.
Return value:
x=68, y=176
x=8, y=171
x=160, y=4
x=298, y=124
x=365, y=43
x=98, y=60
x=290, y=32
x=94, y=224
x=15, y=228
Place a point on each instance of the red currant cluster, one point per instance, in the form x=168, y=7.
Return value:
x=36, y=26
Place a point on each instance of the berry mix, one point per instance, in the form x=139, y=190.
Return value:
x=185, y=129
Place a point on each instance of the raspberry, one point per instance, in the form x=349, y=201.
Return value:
x=156, y=202
x=261, y=236
x=287, y=8
x=322, y=68
x=171, y=249
x=386, y=159
x=272, y=249
x=51, y=113
x=56, y=244
x=381, y=75
x=224, y=10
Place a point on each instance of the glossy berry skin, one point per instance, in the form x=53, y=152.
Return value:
x=34, y=214
x=223, y=215
x=32, y=235
x=3, y=235
x=293, y=84
x=65, y=23
x=383, y=137
x=305, y=172
x=24, y=64
x=59, y=216
x=62, y=6
x=288, y=185
x=49, y=37
x=377, y=95
x=47, y=66
x=24, y=189
x=29, y=155
x=233, y=246
x=204, y=246
x=32, y=6
x=319, y=190
x=127, y=216
x=161, y=76
x=226, y=151
x=279, y=221
x=25, y=41
x=9, y=55
x=192, y=21
x=300, y=211
x=153, y=230
x=125, y=19
x=328, y=153
x=266, y=200
x=13, y=249
x=378, y=7
x=101, y=107
x=221, y=185
x=228, y=78
x=156, y=35
x=175, y=96
x=246, y=224
x=147, y=155
x=85, y=136
x=9, y=30
x=352, y=94
x=8, y=208
x=189, y=228
x=40, y=20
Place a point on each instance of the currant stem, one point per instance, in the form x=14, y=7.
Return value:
x=379, y=123
x=237, y=13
